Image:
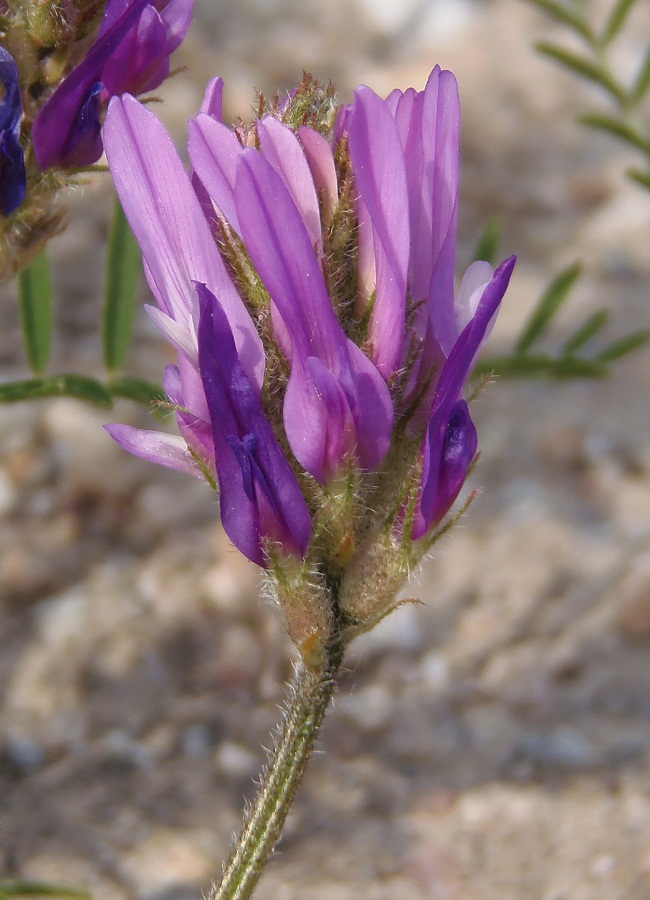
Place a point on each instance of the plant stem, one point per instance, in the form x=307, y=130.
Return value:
x=308, y=699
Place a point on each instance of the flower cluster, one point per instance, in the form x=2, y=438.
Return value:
x=60, y=63
x=305, y=274
x=131, y=53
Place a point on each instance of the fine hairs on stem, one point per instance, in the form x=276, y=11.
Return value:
x=308, y=697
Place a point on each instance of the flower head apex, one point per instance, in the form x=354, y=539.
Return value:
x=305, y=272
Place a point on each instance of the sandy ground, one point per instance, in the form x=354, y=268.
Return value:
x=493, y=742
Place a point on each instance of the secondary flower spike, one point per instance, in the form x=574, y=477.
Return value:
x=130, y=54
x=305, y=273
x=12, y=162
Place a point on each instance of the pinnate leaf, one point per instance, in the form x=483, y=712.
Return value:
x=583, y=66
x=550, y=302
x=78, y=386
x=616, y=20
x=566, y=16
x=589, y=329
x=616, y=127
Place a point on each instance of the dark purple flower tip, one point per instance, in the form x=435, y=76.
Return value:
x=450, y=442
x=84, y=144
x=177, y=17
x=11, y=106
x=449, y=448
x=57, y=126
x=260, y=499
x=13, y=179
x=141, y=61
x=12, y=164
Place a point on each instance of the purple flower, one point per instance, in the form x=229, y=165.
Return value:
x=306, y=278
x=12, y=163
x=131, y=53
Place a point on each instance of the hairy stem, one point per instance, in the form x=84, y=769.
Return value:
x=308, y=699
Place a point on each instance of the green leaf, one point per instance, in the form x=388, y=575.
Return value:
x=58, y=386
x=623, y=347
x=591, y=327
x=616, y=127
x=549, y=303
x=641, y=177
x=525, y=365
x=488, y=243
x=41, y=889
x=138, y=389
x=587, y=68
x=122, y=269
x=35, y=293
x=642, y=80
x=566, y=16
x=616, y=20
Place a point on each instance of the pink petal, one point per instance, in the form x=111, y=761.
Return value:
x=167, y=450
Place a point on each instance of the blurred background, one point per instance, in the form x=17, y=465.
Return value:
x=492, y=742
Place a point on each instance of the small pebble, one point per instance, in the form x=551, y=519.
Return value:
x=566, y=747
x=197, y=741
x=235, y=760
x=25, y=754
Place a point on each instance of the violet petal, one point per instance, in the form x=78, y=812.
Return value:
x=282, y=149
x=140, y=62
x=166, y=217
x=435, y=201
x=214, y=152
x=12, y=162
x=167, y=450
x=212, y=104
x=280, y=249
x=318, y=154
x=261, y=499
x=177, y=16
x=377, y=159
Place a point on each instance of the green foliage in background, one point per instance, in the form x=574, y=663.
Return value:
x=626, y=117
x=11, y=889
x=123, y=269
x=576, y=356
